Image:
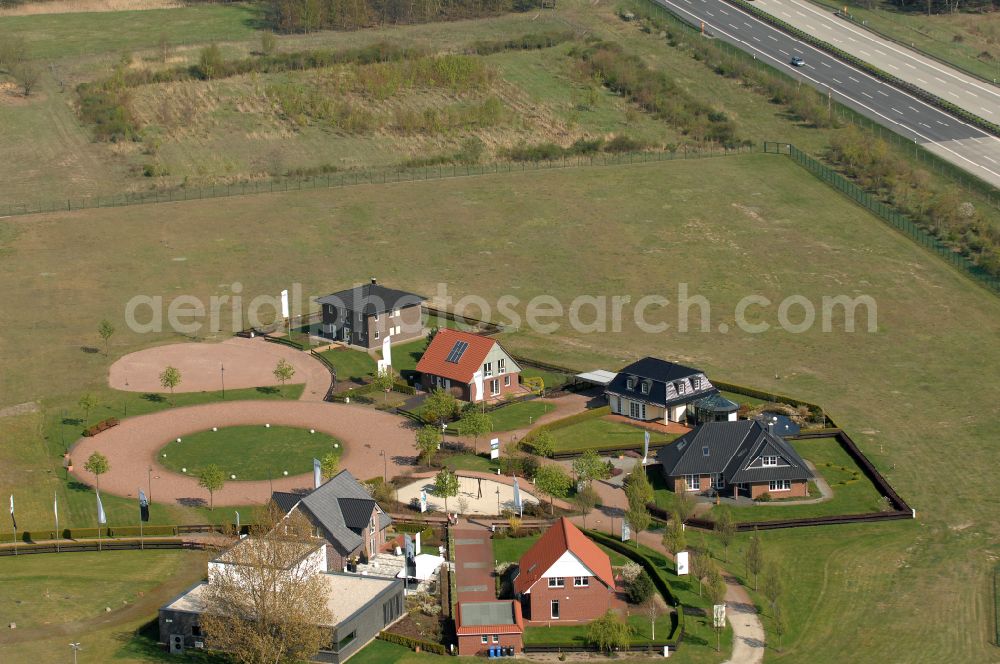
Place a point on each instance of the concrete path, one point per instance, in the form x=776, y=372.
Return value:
x=473, y=564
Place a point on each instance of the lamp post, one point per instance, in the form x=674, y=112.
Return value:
x=149, y=483
x=385, y=466
x=499, y=511
x=75, y=646
x=222, y=372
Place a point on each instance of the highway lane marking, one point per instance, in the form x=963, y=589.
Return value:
x=824, y=25
x=755, y=39
x=953, y=94
x=925, y=124
x=747, y=24
x=882, y=93
x=867, y=95
x=909, y=65
x=866, y=54
x=854, y=79
x=913, y=109
x=811, y=29
x=838, y=82
x=724, y=12
x=709, y=13
x=943, y=124
x=972, y=93
x=921, y=80
x=893, y=66
x=824, y=63
x=990, y=158
x=879, y=52
x=785, y=52
x=786, y=14
x=987, y=110
x=800, y=13
x=733, y=26
x=975, y=139
x=851, y=39
x=940, y=80
x=942, y=145
x=896, y=109
x=772, y=37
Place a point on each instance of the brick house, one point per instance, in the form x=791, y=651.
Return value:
x=564, y=577
x=742, y=458
x=654, y=390
x=483, y=626
x=470, y=366
x=344, y=515
x=365, y=315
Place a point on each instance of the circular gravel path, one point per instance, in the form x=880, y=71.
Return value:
x=132, y=447
x=248, y=363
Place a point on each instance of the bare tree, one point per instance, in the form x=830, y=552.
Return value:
x=27, y=75
x=266, y=607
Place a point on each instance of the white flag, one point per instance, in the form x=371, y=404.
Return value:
x=477, y=378
x=55, y=510
x=387, y=350
x=12, y=519
x=101, y=516
x=284, y=303
x=645, y=449
x=317, y=473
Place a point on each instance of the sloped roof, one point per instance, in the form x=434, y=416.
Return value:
x=561, y=537
x=435, y=359
x=371, y=298
x=497, y=617
x=286, y=501
x=342, y=506
x=656, y=374
x=733, y=449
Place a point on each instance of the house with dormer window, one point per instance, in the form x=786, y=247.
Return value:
x=470, y=366
x=744, y=458
x=655, y=390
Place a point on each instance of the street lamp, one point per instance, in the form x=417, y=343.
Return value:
x=222, y=371
x=75, y=647
x=499, y=511
x=385, y=466
x=149, y=482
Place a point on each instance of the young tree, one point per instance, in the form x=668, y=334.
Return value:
x=674, y=537
x=684, y=504
x=725, y=528
x=542, y=443
x=163, y=46
x=609, y=632
x=88, y=402
x=638, y=518
x=755, y=557
x=329, y=465
x=428, y=439
x=265, y=607
x=267, y=42
x=97, y=464
x=283, y=371
x=638, y=490
x=170, y=378
x=445, y=485
x=585, y=501
x=439, y=406
x=780, y=627
x=210, y=61
x=27, y=75
x=589, y=467
x=475, y=424
x=716, y=595
x=211, y=478
x=553, y=481
x=699, y=564
x=640, y=588
x=773, y=586
x=106, y=329
x=383, y=382
x=652, y=612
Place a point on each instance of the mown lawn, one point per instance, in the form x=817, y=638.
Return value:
x=599, y=432
x=470, y=462
x=351, y=364
x=405, y=357
x=576, y=635
x=518, y=415
x=250, y=452
x=510, y=549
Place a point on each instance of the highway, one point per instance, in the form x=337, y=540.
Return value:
x=969, y=148
x=946, y=82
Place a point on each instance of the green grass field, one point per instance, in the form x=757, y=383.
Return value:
x=642, y=631
x=727, y=227
x=351, y=364
x=250, y=452
x=405, y=357
x=510, y=549
x=600, y=432
x=518, y=415
x=470, y=462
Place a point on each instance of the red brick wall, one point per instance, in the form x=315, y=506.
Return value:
x=680, y=485
x=472, y=644
x=575, y=604
x=800, y=489
x=465, y=392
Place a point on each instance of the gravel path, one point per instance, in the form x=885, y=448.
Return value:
x=132, y=447
x=248, y=363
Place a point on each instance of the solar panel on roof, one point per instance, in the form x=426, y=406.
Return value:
x=457, y=351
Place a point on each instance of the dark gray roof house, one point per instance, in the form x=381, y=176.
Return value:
x=741, y=453
x=343, y=512
x=652, y=389
x=368, y=314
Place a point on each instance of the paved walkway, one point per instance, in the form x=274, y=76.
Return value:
x=469, y=488
x=473, y=564
x=132, y=447
x=247, y=362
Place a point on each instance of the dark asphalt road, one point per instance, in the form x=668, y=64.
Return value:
x=967, y=147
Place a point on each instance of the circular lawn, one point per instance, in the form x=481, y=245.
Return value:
x=250, y=452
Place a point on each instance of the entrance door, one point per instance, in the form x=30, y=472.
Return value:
x=634, y=410
x=345, y=334
x=555, y=609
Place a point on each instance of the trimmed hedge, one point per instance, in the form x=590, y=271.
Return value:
x=101, y=426
x=620, y=447
x=868, y=68
x=412, y=644
x=655, y=573
x=569, y=421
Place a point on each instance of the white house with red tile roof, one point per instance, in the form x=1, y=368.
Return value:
x=470, y=366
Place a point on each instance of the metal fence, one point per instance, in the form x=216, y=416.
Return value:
x=887, y=213
x=351, y=178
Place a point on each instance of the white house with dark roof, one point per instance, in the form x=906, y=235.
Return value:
x=655, y=390
x=344, y=514
x=740, y=458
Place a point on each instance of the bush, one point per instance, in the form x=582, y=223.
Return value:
x=640, y=589
x=101, y=426
x=412, y=644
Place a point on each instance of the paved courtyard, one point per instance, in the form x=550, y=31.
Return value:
x=479, y=502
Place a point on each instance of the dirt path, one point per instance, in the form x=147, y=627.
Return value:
x=247, y=363
x=132, y=447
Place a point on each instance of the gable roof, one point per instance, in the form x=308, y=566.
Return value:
x=468, y=352
x=286, y=501
x=561, y=537
x=733, y=450
x=371, y=298
x=342, y=507
x=659, y=378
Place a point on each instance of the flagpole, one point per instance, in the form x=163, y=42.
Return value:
x=13, y=522
x=55, y=506
x=142, y=547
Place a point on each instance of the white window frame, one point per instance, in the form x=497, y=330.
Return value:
x=487, y=370
x=769, y=461
x=786, y=485
x=581, y=581
x=506, y=380
x=395, y=313
x=717, y=481
x=376, y=333
x=697, y=484
x=557, y=582
x=397, y=329
x=501, y=365
x=554, y=609
x=485, y=639
x=495, y=387
x=680, y=387
x=496, y=638
x=645, y=388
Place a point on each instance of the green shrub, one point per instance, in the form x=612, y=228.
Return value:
x=639, y=589
x=413, y=644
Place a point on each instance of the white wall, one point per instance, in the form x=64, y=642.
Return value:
x=567, y=566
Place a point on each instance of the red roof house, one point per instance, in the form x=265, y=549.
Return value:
x=564, y=577
x=481, y=626
x=470, y=366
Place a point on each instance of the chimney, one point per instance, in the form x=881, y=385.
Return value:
x=770, y=428
x=374, y=281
